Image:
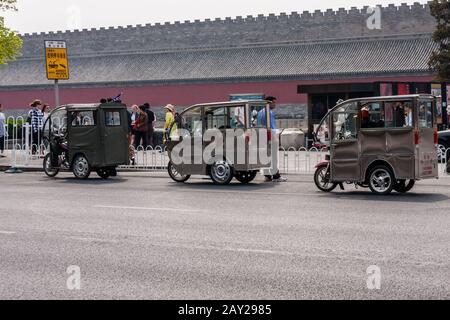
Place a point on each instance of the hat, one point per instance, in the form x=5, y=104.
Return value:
x=35, y=103
x=170, y=107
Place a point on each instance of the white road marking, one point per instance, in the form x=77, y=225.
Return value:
x=7, y=232
x=146, y=208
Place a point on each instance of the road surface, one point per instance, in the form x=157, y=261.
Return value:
x=141, y=236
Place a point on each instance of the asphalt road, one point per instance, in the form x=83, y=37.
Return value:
x=145, y=237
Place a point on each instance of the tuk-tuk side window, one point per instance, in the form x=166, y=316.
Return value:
x=257, y=117
x=372, y=115
x=217, y=118
x=237, y=115
x=193, y=122
x=83, y=118
x=425, y=114
x=345, y=122
x=398, y=114
x=112, y=118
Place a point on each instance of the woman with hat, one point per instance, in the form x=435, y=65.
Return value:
x=170, y=126
x=35, y=119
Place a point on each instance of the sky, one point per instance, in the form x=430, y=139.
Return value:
x=55, y=15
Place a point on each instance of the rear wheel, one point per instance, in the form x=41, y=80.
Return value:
x=48, y=168
x=245, y=177
x=404, y=186
x=322, y=180
x=381, y=180
x=175, y=175
x=104, y=173
x=221, y=172
x=81, y=168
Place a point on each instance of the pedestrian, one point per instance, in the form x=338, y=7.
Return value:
x=45, y=111
x=141, y=128
x=169, y=126
x=35, y=117
x=151, y=123
x=130, y=138
x=270, y=177
x=2, y=132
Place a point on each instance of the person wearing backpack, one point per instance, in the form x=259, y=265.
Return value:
x=170, y=126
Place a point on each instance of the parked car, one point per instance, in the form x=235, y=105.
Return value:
x=444, y=144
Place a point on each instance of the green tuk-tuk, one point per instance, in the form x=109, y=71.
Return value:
x=85, y=138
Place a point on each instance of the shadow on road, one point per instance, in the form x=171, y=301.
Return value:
x=94, y=181
x=208, y=185
x=394, y=197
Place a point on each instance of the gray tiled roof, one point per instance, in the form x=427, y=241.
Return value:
x=307, y=60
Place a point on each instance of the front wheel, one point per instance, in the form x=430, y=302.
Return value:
x=404, y=186
x=381, y=180
x=322, y=180
x=81, y=168
x=175, y=175
x=245, y=177
x=221, y=172
x=49, y=170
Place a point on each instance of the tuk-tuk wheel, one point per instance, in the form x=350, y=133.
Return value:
x=81, y=168
x=404, y=186
x=381, y=180
x=175, y=175
x=104, y=173
x=48, y=169
x=221, y=172
x=245, y=176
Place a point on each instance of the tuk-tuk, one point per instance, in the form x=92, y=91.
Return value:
x=240, y=121
x=383, y=143
x=85, y=138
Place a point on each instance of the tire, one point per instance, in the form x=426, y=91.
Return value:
x=48, y=169
x=175, y=175
x=221, y=172
x=322, y=180
x=381, y=180
x=104, y=173
x=245, y=177
x=81, y=168
x=404, y=186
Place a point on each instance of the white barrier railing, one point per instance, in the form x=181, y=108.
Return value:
x=25, y=149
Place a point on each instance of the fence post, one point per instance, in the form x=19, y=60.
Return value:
x=13, y=169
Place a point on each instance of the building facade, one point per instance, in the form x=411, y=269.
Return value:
x=308, y=60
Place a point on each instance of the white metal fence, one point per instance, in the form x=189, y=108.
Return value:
x=22, y=149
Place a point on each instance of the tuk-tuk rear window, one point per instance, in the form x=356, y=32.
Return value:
x=112, y=118
x=83, y=118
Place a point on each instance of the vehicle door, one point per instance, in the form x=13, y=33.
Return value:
x=426, y=140
x=345, y=164
x=114, y=136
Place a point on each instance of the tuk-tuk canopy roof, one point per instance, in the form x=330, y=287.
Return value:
x=90, y=106
x=228, y=104
x=385, y=98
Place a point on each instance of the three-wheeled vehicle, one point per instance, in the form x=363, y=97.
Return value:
x=240, y=121
x=383, y=143
x=86, y=137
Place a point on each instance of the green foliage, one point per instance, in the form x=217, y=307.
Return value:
x=10, y=42
x=440, y=59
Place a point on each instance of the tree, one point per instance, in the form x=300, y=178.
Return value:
x=440, y=59
x=10, y=42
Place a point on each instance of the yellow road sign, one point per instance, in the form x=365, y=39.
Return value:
x=56, y=60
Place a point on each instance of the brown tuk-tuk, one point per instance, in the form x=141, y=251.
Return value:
x=384, y=143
